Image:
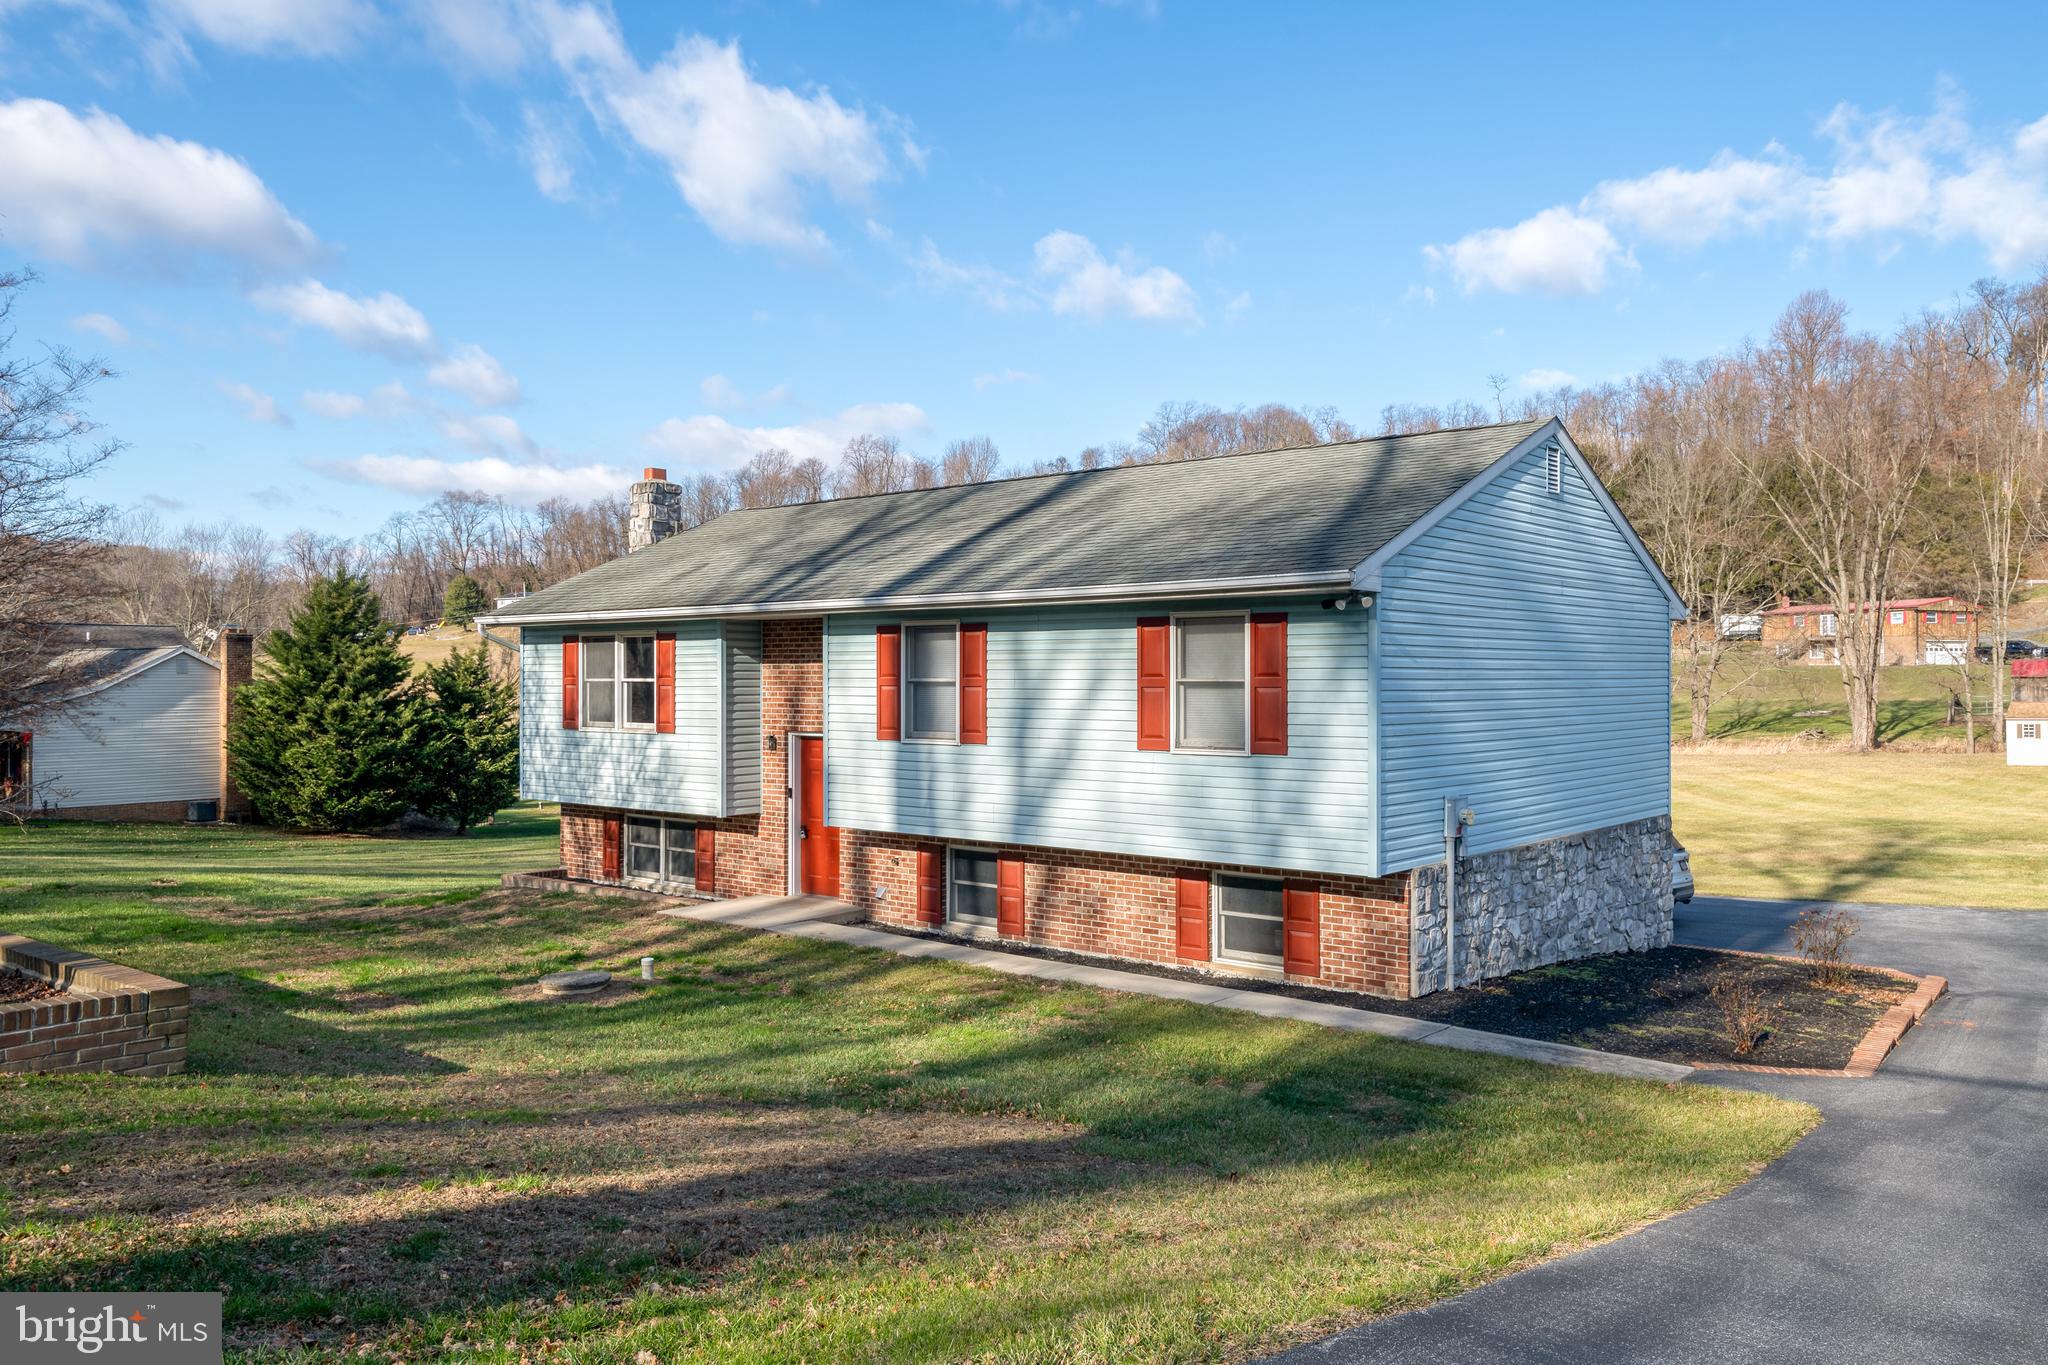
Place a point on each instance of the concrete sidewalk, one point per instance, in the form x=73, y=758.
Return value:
x=834, y=921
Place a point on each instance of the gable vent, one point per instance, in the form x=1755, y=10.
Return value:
x=1554, y=467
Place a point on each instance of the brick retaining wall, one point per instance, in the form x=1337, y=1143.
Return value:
x=110, y=1018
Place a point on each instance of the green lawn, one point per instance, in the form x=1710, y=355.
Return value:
x=1940, y=828
x=1786, y=700
x=782, y=1151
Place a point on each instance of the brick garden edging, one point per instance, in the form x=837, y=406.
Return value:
x=1877, y=1044
x=110, y=1017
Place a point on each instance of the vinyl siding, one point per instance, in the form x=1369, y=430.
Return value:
x=152, y=737
x=743, y=717
x=636, y=769
x=1061, y=768
x=1524, y=667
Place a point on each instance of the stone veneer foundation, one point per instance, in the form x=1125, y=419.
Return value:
x=110, y=1017
x=1589, y=893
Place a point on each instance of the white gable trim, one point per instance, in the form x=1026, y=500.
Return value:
x=143, y=665
x=1366, y=577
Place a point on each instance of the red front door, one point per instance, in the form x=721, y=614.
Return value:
x=817, y=857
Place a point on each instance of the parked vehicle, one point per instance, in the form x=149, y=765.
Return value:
x=2014, y=649
x=1681, y=875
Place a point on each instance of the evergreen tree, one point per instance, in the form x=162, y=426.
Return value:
x=463, y=600
x=329, y=738
x=470, y=766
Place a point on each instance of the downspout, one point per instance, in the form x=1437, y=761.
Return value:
x=498, y=640
x=1456, y=820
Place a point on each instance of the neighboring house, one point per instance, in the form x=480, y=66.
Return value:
x=2026, y=715
x=145, y=737
x=1916, y=630
x=1207, y=713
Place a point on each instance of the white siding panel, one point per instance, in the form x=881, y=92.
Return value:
x=1062, y=768
x=152, y=737
x=1525, y=667
x=677, y=773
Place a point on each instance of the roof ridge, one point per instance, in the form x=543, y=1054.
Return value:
x=1147, y=464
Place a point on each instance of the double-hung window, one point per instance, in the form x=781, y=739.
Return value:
x=972, y=894
x=1210, y=655
x=618, y=681
x=1248, y=919
x=660, y=850
x=1826, y=624
x=931, y=682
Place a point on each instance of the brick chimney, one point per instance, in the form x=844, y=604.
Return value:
x=235, y=648
x=655, y=511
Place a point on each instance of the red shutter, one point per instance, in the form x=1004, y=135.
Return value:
x=572, y=676
x=1301, y=923
x=888, y=682
x=930, y=909
x=614, y=835
x=707, y=859
x=1191, y=916
x=1154, y=682
x=1010, y=897
x=665, y=684
x=1269, y=682
x=974, y=684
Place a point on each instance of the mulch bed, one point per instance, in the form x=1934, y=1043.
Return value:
x=17, y=988
x=1655, y=1004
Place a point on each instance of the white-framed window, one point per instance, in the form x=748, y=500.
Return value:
x=1899, y=618
x=618, y=682
x=1211, y=702
x=1825, y=623
x=1933, y=617
x=659, y=850
x=1799, y=623
x=931, y=682
x=971, y=885
x=1248, y=924
x=2030, y=729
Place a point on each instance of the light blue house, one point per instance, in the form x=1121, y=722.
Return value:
x=1337, y=713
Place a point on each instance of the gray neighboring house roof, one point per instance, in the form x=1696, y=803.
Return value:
x=1301, y=517
x=95, y=653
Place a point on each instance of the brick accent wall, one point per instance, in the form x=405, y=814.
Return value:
x=1112, y=904
x=110, y=1018
x=1119, y=905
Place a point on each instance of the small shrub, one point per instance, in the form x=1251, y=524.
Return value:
x=1821, y=936
x=1745, y=1015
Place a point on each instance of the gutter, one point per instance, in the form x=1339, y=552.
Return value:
x=1339, y=579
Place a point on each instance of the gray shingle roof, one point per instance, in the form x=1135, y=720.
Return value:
x=90, y=652
x=1276, y=514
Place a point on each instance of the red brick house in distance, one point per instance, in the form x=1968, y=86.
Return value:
x=1211, y=713
x=1917, y=630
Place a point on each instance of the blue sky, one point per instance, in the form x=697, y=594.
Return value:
x=348, y=253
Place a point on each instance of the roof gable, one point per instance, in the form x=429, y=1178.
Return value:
x=1301, y=516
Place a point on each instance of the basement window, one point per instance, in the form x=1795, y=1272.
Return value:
x=661, y=850
x=1248, y=919
x=971, y=894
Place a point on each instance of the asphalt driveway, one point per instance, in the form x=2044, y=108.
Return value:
x=1911, y=1226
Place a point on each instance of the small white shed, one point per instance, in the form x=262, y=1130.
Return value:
x=2026, y=734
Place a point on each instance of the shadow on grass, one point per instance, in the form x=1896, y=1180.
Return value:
x=241, y=1026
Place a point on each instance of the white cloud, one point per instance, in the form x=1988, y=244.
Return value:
x=257, y=405
x=1677, y=205
x=476, y=374
x=86, y=189
x=745, y=156
x=1537, y=379
x=475, y=35
x=984, y=382
x=524, y=482
x=1084, y=284
x=721, y=394
x=100, y=325
x=550, y=149
x=1239, y=305
x=306, y=28
x=383, y=402
x=994, y=288
x=1555, y=252
x=714, y=441
x=490, y=433
x=382, y=323
x=1889, y=177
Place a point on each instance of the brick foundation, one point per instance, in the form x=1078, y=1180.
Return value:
x=110, y=1018
x=127, y=812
